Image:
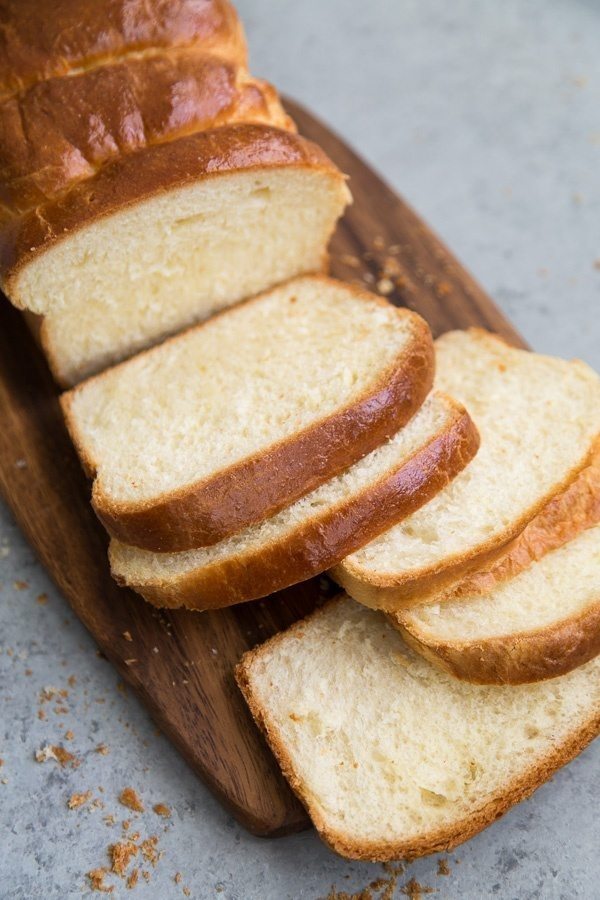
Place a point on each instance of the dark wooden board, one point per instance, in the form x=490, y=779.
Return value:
x=188, y=685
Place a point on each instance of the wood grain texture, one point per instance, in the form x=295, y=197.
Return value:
x=188, y=685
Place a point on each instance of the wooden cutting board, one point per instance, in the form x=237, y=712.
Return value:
x=188, y=684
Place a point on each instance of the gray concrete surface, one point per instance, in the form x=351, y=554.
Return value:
x=487, y=117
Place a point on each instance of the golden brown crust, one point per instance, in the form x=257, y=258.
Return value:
x=329, y=536
x=63, y=130
x=521, y=787
x=156, y=170
x=562, y=519
x=259, y=486
x=520, y=658
x=392, y=593
x=541, y=653
x=43, y=39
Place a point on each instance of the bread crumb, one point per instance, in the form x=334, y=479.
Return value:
x=177, y=877
x=129, y=798
x=130, y=662
x=96, y=879
x=149, y=851
x=121, y=855
x=443, y=868
x=69, y=735
x=385, y=286
x=186, y=891
x=20, y=585
x=442, y=289
x=102, y=749
x=127, y=635
x=161, y=809
x=42, y=599
x=146, y=875
x=77, y=800
x=133, y=879
x=414, y=891
x=58, y=753
x=41, y=714
x=379, y=242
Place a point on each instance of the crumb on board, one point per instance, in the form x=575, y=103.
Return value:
x=20, y=585
x=132, y=880
x=42, y=599
x=127, y=636
x=129, y=798
x=103, y=749
x=69, y=735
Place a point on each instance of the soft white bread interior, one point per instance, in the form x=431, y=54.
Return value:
x=541, y=623
x=538, y=418
x=249, y=411
x=124, y=282
x=308, y=536
x=393, y=758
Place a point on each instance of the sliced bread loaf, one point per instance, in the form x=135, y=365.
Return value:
x=229, y=422
x=543, y=622
x=538, y=418
x=319, y=529
x=393, y=758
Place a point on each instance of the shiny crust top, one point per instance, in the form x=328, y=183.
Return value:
x=41, y=39
x=88, y=85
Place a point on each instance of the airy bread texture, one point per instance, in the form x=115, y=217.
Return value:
x=393, y=758
x=542, y=623
x=146, y=178
x=319, y=529
x=175, y=259
x=538, y=417
x=240, y=416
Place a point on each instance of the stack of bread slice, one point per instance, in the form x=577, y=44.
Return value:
x=408, y=727
x=265, y=445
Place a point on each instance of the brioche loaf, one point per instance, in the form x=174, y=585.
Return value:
x=146, y=179
x=308, y=536
x=227, y=423
x=538, y=417
x=393, y=758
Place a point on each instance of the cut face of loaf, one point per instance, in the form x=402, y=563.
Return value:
x=542, y=623
x=319, y=529
x=147, y=180
x=159, y=240
x=392, y=758
x=234, y=419
x=538, y=418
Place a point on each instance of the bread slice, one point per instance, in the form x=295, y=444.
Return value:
x=233, y=420
x=539, y=418
x=319, y=529
x=542, y=623
x=163, y=238
x=393, y=758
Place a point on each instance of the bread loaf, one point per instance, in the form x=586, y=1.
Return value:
x=146, y=179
